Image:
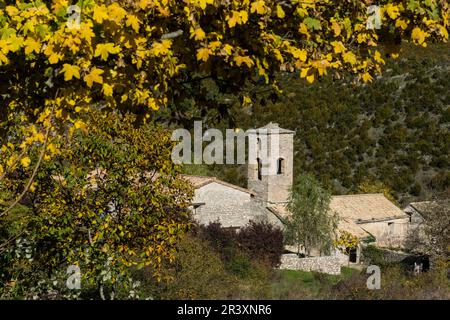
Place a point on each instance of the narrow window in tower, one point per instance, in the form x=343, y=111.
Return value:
x=280, y=166
x=259, y=168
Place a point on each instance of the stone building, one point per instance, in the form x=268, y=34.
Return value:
x=270, y=177
x=418, y=212
x=371, y=218
x=270, y=174
x=372, y=215
x=219, y=201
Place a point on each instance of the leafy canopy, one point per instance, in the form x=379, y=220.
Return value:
x=148, y=55
x=110, y=201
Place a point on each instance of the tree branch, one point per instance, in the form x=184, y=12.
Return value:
x=172, y=35
x=35, y=170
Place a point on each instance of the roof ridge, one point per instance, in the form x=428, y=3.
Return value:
x=196, y=175
x=426, y=201
x=358, y=195
x=215, y=179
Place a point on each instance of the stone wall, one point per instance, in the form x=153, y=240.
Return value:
x=342, y=258
x=280, y=184
x=273, y=187
x=383, y=255
x=326, y=264
x=229, y=206
x=389, y=233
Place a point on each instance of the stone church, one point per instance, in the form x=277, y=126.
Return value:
x=268, y=185
x=268, y=190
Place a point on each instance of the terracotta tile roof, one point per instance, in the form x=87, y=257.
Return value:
x=425, y=207
x=197, y=181
x=200, y=181
x=366, y=207
x=351, y=227
x=354, y=209
x=279, y=210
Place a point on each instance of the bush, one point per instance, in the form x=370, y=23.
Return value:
x=239, y=265
x=109, y=199
x=373, y=255
x=263, y=242
x=260, y=241
x=396, y=284
x=198, y=273
x=222, y=240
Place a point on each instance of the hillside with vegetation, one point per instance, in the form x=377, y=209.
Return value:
x=394, y=132
x=92, y=205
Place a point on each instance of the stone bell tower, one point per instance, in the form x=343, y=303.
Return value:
x=270, y=163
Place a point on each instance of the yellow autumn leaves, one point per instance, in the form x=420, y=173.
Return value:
x=31, y=45
x=73, y=71
x=312, y=25
x=393, y=11
x=259, y=7
x=349, y=57
x=203, y=3
x=25, y=162
x=203, y=54
x=237, y=17
x=70, y=71
x=346, y=240
x=419, y=36
x=347, y=37
x=121, y=46
x=86, y=58
x=95, y=75
x=103, y=50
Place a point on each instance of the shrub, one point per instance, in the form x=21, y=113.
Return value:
x=262, y=241
x=373, y=255
x=109, y=199
x=239, y=265
x=198, y=273
x=259, y=241
x=396, y=284
x=222, y=240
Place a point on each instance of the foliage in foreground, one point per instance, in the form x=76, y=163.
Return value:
x=201, y=273
x=148, y=55
x=110, y=201
x=396, y=284
x=261, y=242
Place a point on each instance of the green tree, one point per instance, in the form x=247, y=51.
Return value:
x=110, y=201
x=311, y=223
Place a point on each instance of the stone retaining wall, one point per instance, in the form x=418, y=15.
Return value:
x=384, y=255
x=327, y=264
